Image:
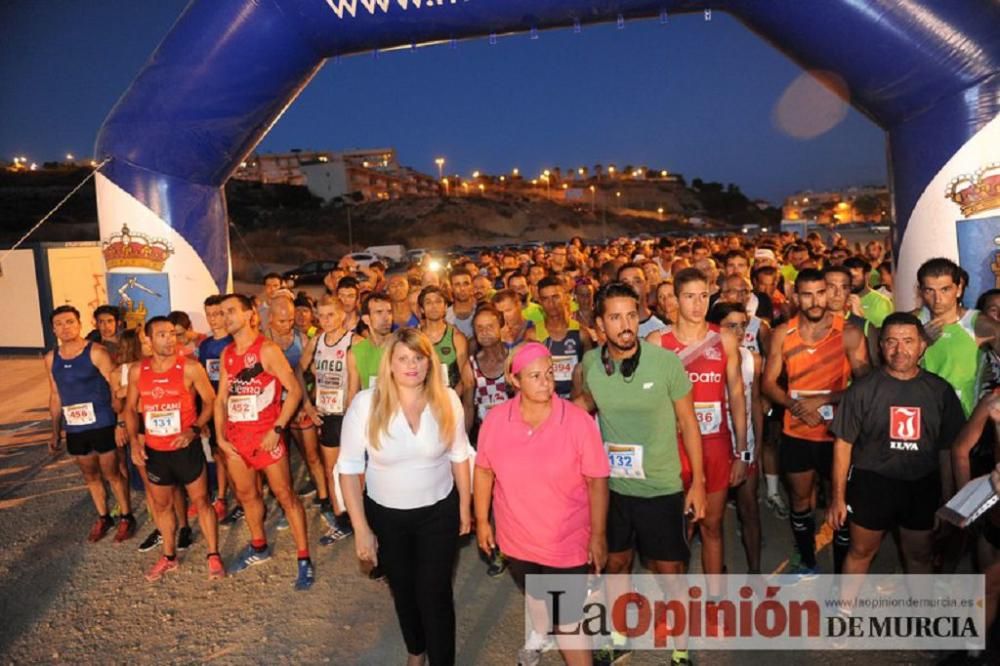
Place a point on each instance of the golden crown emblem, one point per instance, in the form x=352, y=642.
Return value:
x=977, y=192
x=134, y=249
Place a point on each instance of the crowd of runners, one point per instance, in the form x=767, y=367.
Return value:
x=432, y=402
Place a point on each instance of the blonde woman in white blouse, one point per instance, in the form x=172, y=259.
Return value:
x=416, y=501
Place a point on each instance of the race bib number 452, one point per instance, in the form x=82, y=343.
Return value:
x=242, y=408
x=625, y=460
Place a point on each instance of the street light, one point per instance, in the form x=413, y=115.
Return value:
x=660, y=211
x=69, y=157
x=618, y=199
x=515, y=172
x=475, y=174
x=440, y=164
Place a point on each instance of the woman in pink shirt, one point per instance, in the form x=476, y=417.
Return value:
x=542, y=463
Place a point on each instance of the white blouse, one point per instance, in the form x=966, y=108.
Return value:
x=408, y=471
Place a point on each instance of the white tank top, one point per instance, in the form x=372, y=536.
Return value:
x=751, y=337
x=746, y=372
x=329, y=366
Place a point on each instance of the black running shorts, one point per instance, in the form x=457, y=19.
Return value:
x=877, y=502
x=329, y=432
x=803, y=455
x=179, y=467
x=86, y=442
x=654, y=526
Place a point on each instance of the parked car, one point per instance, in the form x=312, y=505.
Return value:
x=416, y=255
x=311, y=272
x=363, y=259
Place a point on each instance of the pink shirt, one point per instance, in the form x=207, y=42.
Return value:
x=540, y=498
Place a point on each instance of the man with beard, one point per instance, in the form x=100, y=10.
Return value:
x=809, y=349
x=643, y=396
x=482, y=289
x=893, y=428
x=635, y=277
x=874, y=306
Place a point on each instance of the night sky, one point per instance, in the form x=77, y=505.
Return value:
x=691, y=96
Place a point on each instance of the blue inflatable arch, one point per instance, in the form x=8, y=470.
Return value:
x=927, y=71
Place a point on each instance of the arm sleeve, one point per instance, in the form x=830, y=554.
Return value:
x=593, y=459
x=354, y=435
x=678, y=382
x=459, y=450
x=847, y=420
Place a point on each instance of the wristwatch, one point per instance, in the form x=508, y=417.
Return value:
x=279, y=428
x=746, y=456
x=196, y=429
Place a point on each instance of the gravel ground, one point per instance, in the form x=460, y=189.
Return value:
x=65, y=601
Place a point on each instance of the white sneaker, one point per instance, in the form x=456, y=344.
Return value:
x=531, y=653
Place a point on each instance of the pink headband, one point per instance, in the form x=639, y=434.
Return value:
x=531, y=351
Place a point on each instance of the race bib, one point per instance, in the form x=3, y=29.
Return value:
x=242, y=408
x=625, y=460
x=709, y=415
x=825, y=411
x=164, y=423
x=330, y=400
x=212, y=367
x=563, y=366
x=80, y=415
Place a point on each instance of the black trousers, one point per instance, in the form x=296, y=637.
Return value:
x=417, y=550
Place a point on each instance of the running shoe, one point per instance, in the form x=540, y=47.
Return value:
x=248, y=557
x=531, y=653
x=308, y=490
x=306, y=576
x=216, y=569
x=801, y=573
x=150, y=542
x=497, y=565
x=234, y=515
x=610, y=655
x=680, y=658
x=126, y=529
x=162, y=566
x=101, y=526
x=776, y=503
x=282, y=522
x=335, y=534
x=184, y=539
x=220, y=509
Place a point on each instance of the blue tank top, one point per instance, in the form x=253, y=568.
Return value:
x=83, y=392
x=566, y=353
x=209, y=352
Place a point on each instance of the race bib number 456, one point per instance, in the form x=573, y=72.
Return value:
x=80, y=414
x=625, y=460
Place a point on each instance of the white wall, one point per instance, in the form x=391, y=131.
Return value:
x=21, y=306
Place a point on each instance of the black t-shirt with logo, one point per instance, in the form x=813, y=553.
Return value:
x=898, y=427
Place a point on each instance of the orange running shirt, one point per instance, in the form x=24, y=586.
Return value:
x=813, y=369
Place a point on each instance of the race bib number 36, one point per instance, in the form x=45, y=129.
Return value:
x=625, y=460
x=242, y=408
x=709, y=415
x=80, y=415
x=164, y=423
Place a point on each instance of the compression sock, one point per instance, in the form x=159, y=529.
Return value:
x=804, y=531
x=841, y=544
